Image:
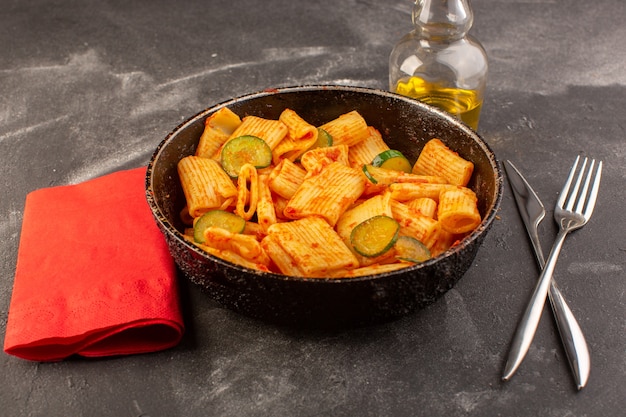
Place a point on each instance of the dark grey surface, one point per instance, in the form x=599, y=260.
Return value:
x=90, y=87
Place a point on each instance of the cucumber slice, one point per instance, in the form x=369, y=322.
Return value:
x=368, y=174
x=374, y=236
x=394, y=160
x=324, y=139
x=412, y=250
x=218, y=218
x=245, y=150
x=381, y=176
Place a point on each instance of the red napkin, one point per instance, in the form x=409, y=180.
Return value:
x=94, y=276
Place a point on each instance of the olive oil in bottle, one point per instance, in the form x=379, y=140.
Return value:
x=438, y=63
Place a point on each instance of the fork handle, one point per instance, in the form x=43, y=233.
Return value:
x=572, y=336
x=529, y=322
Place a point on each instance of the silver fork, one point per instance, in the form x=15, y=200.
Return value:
x=569, y=215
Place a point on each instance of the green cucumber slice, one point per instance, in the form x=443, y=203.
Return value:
x=218, y=218
x=324, y=139
x=394, y=160
x=374, y=236
x=245, y=150
x=368, y=174
x=412, y=250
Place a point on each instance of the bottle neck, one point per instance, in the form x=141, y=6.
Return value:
x=442, y=20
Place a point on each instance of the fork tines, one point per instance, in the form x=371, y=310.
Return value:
x=582, y=208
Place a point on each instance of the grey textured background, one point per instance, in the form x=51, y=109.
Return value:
x=90, y=87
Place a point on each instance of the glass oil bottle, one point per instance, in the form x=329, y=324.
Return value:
x=438, y=63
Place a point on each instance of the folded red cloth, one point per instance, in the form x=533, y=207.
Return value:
x=94, y=276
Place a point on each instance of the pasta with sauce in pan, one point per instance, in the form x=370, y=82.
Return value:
x=332, y=201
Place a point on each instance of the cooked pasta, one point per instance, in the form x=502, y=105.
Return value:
x=271, y=131
x=364, y=152
x=327, y=194
x=285, y=179
x=316, y=159
x=205, y=185
x=217, y=129
x=413, y=223
x=348, y=129
x=378, y=205
x=410, y=191
x=246, y=246
x=301, y=136
x=424, y=205
x=310, y=245
x=290, y=204
x=265, y=207
x=247, y=192
x=437, y=159
x=457, y=210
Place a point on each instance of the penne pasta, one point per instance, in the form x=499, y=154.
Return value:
x=380, y=178
x=280, y=203
x=370, y=270
x=283, y=260
x=271, y=131
x=445, y=240
x=379, y=205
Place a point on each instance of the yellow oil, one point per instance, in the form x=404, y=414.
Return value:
x=463, y=104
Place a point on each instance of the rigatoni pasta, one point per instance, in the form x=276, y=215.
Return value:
x=457, y=210
x=348, y=129
x=437, y=159
x=415, y=224
x=218, y=128
x=327, y=194
x=301, y=136
x=309, y=246
x=424, y=205
x=286, y=177
x=302, y=207
x=271, y=131
x=364, y=152
x=205, y=185
x=316, y=159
